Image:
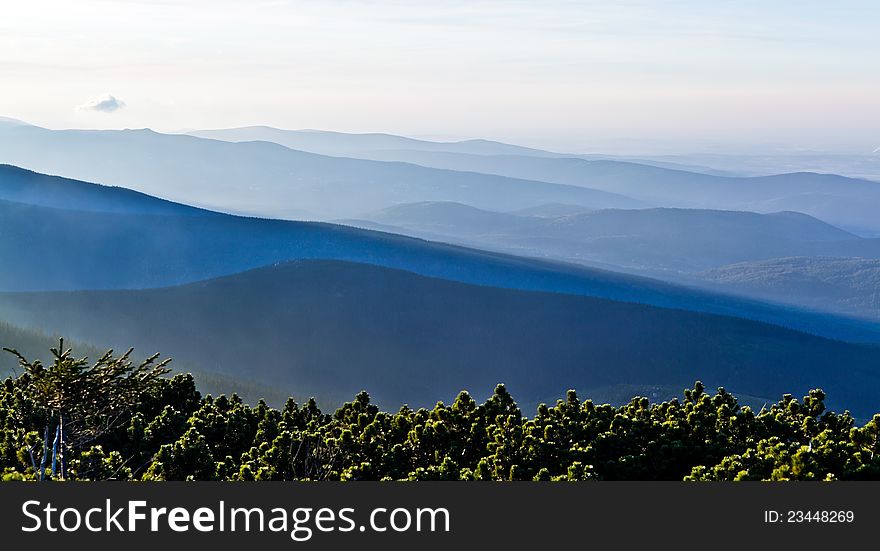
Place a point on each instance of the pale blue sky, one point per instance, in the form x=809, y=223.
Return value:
x=609, y=76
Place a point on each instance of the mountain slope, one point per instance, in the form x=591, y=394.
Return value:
x=849, y=286
x=736, y=252
x=116, y=238
x=442, y=154
x=365, y=146
x=56, y=249
x=846, y=202
x=864, y=165
x=266, y=179
x=24, y=186
x=353, y=145
x=333, y=328
x=653, y=241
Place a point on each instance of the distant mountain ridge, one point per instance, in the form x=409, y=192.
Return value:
x=651, y=240
x=135, y=250
x=694, y=247
x=846, y=202
x=365, y=145
x=267, y=179
x=342, y=144
x=253, y=177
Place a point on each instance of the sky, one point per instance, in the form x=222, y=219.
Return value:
x=582, y=76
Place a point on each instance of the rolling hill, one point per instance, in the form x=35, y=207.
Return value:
x=341, y=144
x=864, y=165
x=18, y=185
x=849, y=286
x=791, y=184
x=365, y=146
x=44, y=248
x=116, y=238
x=267, y=179
x=652, y=241
x=846, y=202
x=740, y=252
x=330, y=329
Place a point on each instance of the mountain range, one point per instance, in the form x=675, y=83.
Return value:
x=685, y=246
x=266, y=179
x=128, y=245
x=456, y=265
x=846, y=202
x=653, y=240
x=332, y=328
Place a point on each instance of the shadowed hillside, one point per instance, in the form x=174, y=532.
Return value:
x=112, y=250
x=342, y=144
x=652, y=240
x=331, y=328
x=24, y=186
x=35, y=345
x=848, y=286
x=739, y=252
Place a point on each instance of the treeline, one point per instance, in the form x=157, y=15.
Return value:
x=117, y=419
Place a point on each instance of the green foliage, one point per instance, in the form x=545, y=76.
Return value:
x=91, y=398
x=171, y=432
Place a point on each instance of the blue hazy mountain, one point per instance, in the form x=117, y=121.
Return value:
x=266, y=179
x=741, y=252
x=24, y=186
x=378, y=145
x=653, y=240
x=341, y=144
x=846, y=202
x=128, y=246
x=865, y=165
x=31, y=344
x=116, y=238
x=330, y=329
x=849, y=286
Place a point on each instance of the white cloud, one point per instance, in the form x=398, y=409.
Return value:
x=104, y=104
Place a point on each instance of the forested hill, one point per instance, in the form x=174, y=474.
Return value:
x=149, y=244
x=330, y=328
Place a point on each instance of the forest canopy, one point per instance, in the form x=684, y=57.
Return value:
x=113, y=418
